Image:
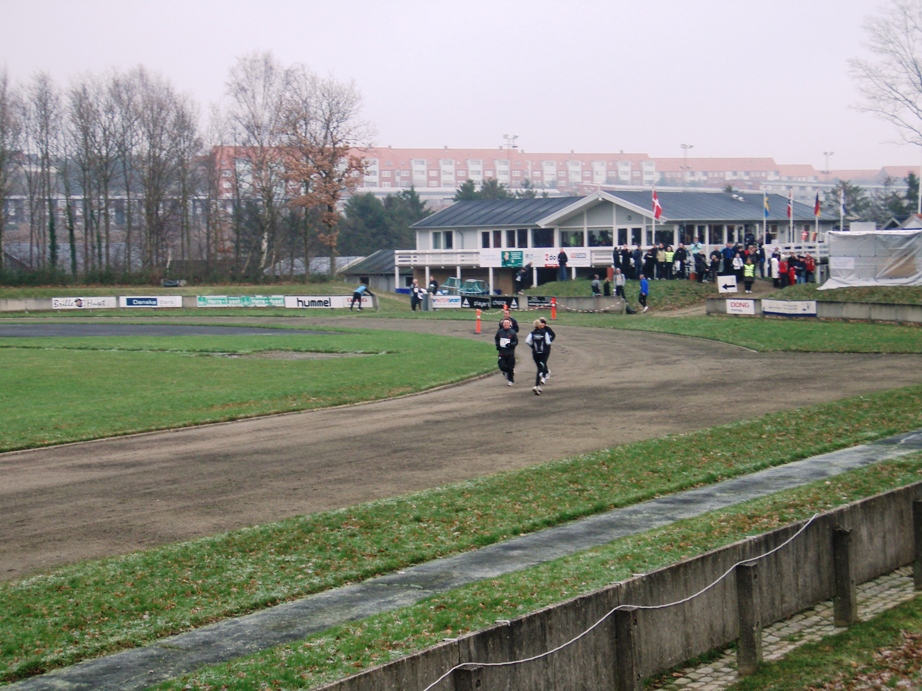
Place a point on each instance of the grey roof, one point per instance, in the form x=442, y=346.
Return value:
x=495, y=212
x=719, y=206
x=380, y=262
x=692, y=206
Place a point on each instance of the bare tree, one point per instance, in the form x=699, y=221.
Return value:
x=10, y=130
x=257, y=87
x=891, y=83
x=124, y=91
x=43, y=120
x=322, y=132
x=213, y=183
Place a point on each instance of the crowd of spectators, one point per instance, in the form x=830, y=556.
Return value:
x=663, y=262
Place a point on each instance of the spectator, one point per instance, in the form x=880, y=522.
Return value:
x=681, y=259
x=416, y=295
x=809, y=268
x=749, y=274
x=619, y=284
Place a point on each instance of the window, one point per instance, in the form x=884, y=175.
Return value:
x=385, y=173
x=523, y=237
x=600, y=237
x=485, y=239
x=443, y=239
x=510, y=238
x=571, y=238
x=542, y=237
x=497, y=238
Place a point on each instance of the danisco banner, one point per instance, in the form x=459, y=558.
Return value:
x=106, y=303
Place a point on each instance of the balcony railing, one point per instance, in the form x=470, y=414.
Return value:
x=437, y=258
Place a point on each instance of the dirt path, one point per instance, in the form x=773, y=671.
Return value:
x=94, y=499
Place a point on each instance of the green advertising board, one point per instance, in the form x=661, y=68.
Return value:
x=512, y=258
x=240, y=300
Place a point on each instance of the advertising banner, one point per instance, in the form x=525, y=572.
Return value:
x=576, y=256
x=539, y=302
x=441, y=302
x=240, y=301
x=150, y=301
x=313, y=302
x=84, y=303
x=741, y=306
x=489, y=302
x=498, y=258
x=790, y=308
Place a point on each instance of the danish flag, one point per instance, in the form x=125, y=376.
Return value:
x=657, y=208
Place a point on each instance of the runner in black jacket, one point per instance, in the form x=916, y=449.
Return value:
x=550, y=331
x=540, y=342
x=506, y=340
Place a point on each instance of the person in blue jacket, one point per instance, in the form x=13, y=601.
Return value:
x=357, y=296
x=644, y=292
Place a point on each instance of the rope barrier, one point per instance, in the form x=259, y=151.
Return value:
x=619, y=607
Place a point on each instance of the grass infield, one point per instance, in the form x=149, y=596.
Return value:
x=55, y=390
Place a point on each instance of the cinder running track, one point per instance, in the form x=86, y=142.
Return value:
x=94, y=499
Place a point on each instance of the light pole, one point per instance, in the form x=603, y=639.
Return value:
x=827, y=154
x=510, y=145
x=685, y=148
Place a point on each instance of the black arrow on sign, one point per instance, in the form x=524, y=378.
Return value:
x=727, y=286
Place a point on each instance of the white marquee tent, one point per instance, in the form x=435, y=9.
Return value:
x=874, y=258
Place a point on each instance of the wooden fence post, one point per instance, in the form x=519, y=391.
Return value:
x=625, y=625
x=749, y=609
x=917, y=539
x=845, y=604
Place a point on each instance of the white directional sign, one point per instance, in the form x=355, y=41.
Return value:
x=727, y=284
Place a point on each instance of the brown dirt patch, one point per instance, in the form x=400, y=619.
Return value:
x=90, y=500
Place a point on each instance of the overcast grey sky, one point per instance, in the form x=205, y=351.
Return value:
x=730, y=77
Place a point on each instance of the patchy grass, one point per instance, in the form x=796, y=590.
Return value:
x=344, y=650
x=90, y=609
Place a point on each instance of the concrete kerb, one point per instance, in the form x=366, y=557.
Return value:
x=143, y=667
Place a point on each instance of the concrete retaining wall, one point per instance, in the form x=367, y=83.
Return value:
x=864, y=311
x=25, y=304
x=591, y=304
x=882, y=529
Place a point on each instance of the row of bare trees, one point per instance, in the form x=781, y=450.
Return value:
x=115, y=174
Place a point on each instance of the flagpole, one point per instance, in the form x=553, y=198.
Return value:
x=654, y=220
x=816, y=215
x=791, y=215
x=764, y=215
x=842, y=209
